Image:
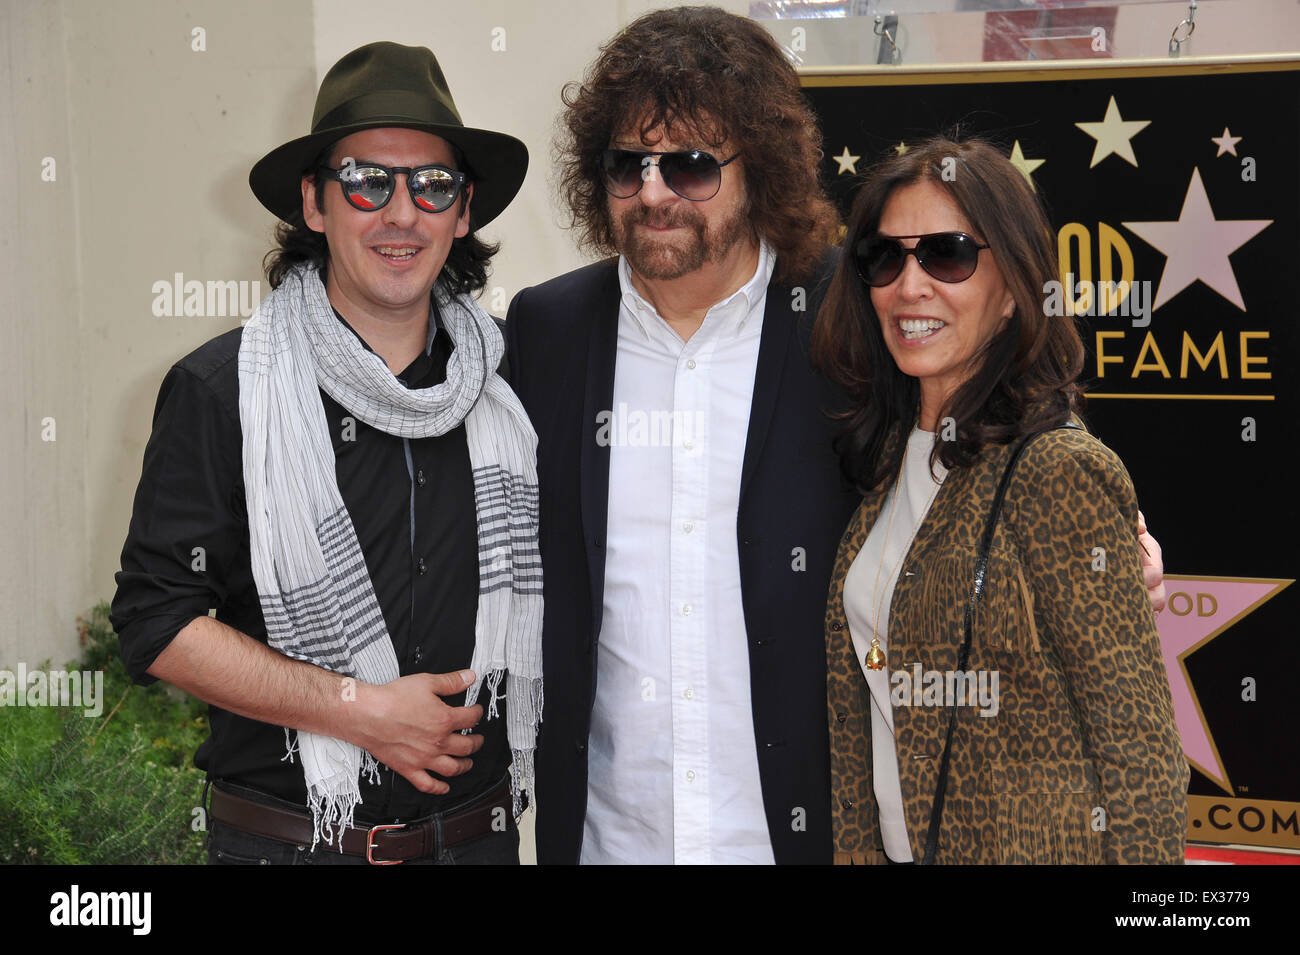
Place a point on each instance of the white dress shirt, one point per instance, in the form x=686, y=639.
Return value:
x=868, y=595
x=672, y=761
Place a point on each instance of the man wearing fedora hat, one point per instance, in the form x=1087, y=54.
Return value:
x=351, y=488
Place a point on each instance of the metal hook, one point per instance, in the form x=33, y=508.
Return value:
x=1175, y=41
x=895, y=54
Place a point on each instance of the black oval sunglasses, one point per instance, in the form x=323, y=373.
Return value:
x=692, y=174
x=947, y=256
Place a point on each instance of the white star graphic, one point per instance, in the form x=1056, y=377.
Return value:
x=1227, y=143
x=848, y=162
x=1197, y=246
x=1113, y=135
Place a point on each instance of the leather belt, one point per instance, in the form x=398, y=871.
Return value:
x=393, y=843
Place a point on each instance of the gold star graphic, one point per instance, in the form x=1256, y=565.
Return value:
x=901, y=149
x=848, y=162
x=1114, y=135
x=1026, y=166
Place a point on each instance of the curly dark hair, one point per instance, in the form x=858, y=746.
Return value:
x=1026, y=378
x=466, y=269
x=703, y=72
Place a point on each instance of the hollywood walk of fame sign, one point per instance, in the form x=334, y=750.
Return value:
x=1179, y=182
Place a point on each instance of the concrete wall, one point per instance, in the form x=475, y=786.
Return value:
x=45, y=552
x=152, y=140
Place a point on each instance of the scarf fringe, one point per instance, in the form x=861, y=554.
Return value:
x=523, y=720
x=521, y=778
x=370, y=768
x=331, y=810
x=290, y=746
x=494, y=691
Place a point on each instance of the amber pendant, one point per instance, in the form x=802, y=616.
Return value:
x=875, y=657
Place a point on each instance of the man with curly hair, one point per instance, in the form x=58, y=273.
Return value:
x=690, y=500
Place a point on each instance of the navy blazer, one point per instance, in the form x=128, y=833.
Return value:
x=794, y=506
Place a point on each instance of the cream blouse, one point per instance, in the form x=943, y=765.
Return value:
x=868, y=593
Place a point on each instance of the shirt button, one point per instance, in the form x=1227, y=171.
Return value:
x=689, y=694
x=419, y=565
x=419, y=478
x=686, y=610
x=688, y=444
x=690, y=363
x=690, y=775
x=688, y=526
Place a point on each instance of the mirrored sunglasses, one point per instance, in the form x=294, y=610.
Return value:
x=368, y=186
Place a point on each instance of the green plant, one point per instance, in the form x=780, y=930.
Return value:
x=115, y=789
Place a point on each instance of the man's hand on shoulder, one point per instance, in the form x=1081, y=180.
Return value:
x=1153, y=565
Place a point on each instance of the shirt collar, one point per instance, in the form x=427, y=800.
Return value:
x=428, y=341
x=422, y=363
x=735, y=309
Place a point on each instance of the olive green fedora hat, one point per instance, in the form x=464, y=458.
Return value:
x=387, y=84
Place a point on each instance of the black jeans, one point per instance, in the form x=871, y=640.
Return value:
x=229, y=846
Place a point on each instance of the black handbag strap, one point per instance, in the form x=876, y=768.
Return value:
x=963, y=656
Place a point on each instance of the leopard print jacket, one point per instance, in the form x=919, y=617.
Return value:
x=1082, y=762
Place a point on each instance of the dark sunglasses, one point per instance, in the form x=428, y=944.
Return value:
x=947, y=256
x=693, y=175
x=368, y=186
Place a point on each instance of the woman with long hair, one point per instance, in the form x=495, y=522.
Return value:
x=996, y=691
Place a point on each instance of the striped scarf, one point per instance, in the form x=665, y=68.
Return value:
x=316, y=595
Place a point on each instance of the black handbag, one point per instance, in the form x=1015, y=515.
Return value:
x=963, y=657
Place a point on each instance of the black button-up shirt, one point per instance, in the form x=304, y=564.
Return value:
x=187, y=551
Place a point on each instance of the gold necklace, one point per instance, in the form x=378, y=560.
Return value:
x=875, y=659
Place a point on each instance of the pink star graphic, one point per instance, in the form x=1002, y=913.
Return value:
x=1200, y=609
x=1197, y=246
x=1227, y=143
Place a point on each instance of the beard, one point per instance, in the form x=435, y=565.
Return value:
x=684, y=252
